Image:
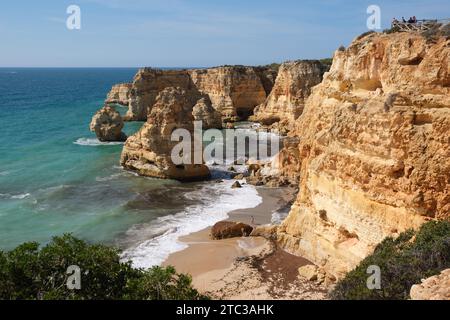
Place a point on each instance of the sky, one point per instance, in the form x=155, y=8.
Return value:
x=187, y=33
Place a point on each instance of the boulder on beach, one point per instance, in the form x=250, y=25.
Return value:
x=230, y=229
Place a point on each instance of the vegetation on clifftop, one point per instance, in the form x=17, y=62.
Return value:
x=31, y=272
x=403, y=262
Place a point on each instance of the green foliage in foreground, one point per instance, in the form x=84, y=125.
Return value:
x=404, y=261
x=31, y=272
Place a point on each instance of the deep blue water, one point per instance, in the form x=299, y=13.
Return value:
x=49, y=184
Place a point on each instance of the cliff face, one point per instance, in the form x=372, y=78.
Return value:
x=233, y=92
x=147, y=84
x=204, y=111
x=287, y=98
x=148, y=152
x=119, y=94
x=373, y=150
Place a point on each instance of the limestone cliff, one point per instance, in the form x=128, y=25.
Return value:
x=233, y=91
x=146, y=86
x=119, y=94
x=148, y=152
x=373, y=149
x=287, y=98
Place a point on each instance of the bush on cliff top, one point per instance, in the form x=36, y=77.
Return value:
x=403, y=261
x=31, y=272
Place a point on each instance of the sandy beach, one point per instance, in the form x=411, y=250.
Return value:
x=246, y=268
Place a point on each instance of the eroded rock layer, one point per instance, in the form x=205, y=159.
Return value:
x=119, y=94
x=148, y=152
x=234, y=91
x=287, y=98
x=147, y=84
x=373, y=150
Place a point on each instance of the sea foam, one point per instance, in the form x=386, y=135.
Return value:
x=93, y=142
x=14, y=196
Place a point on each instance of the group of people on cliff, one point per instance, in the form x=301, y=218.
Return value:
x=412, y=19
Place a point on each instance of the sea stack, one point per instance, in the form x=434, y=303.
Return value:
x=148, y=152
x=108, y=124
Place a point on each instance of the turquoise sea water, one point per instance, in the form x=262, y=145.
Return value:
x=55, y=177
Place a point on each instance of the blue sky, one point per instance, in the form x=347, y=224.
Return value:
x=182, y=33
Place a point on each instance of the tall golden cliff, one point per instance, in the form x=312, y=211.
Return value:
x=372, y=151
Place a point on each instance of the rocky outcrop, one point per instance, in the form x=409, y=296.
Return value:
x=433, y=288
x=119, y=94
x=373, y=149
x=107, y=125
x=232, y=91
x=287, y=98
x=230, y=229
x=146, y=86
x=148, y=152
x=203, y=111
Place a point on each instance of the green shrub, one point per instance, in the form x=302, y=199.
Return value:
x=29, y=272
x=403, y=261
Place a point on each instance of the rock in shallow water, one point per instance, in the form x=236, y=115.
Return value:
x=107, y=125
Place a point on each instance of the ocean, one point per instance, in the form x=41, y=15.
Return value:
x=56, y=177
